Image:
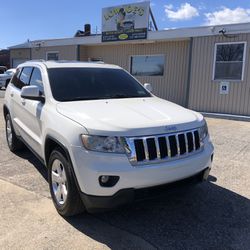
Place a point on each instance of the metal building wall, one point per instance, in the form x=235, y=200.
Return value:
x=204, y=92
x=172, y=86
x=66, y=52
x=19, y=54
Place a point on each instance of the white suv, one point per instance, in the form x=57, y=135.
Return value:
x=102, y=135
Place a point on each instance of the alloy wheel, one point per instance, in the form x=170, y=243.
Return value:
x=9, y=132
x=59, y=182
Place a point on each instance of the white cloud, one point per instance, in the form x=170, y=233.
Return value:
x=226, y=15
x=185, y=12
x=202, y=6
x=172, y=28
x=169, y=6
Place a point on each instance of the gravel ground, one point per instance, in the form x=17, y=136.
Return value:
x=211, y=215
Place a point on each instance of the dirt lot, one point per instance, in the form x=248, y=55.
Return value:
x=211, y=215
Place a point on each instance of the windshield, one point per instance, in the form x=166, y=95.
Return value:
x=72, y=84
x=9, y=72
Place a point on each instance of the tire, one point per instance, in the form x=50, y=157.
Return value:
x=63, y=189
x=13, y=142
x=7, y=83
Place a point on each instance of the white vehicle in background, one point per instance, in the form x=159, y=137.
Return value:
x=104, y=138
x=5, y=77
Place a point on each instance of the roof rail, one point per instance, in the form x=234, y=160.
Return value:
x=72, y=61
x=63, y=61
x=36, y=60
x=96, y=62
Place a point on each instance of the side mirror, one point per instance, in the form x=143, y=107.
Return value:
x=148, y=87
x=32, y=93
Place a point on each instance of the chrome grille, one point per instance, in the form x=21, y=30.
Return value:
x=159, y=148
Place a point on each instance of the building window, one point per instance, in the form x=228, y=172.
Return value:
x=229, y=61
x=52, y=56
x=147, y=65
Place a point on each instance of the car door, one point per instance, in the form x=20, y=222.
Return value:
x=20, y=79
x=31, y=118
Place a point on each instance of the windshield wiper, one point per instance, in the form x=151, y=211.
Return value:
x=80, y=99
x=120, y=96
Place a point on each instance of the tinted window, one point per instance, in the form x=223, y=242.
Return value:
x=69, y=84
x=229, y=61
x=147, y=65
x=15, y=79
x=36, y=79
x=25, y=76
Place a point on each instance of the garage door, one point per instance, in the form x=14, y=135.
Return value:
x=16, y=62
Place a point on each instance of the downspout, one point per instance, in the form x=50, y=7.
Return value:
x=189, y=71
x=78, y=53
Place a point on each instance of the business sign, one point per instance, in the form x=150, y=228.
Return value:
x=125, y=22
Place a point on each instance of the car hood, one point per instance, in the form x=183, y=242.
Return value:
x=130, y=117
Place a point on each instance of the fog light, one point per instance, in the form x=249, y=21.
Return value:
x=104, y=178
x=108, y=180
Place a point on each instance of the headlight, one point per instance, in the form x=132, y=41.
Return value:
x=109, y=144
x=203, y=131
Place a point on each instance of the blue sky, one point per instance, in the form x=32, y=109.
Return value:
x=61, y=18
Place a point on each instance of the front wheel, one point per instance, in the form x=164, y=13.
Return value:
x=62, y=185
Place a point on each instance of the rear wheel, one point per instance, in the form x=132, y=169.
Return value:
x=62, y=185
x=13, y=142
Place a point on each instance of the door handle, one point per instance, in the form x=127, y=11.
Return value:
x=23, y=102
x=11, y=94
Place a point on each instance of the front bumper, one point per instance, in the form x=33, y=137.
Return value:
x=125, y=196
x=89, y=166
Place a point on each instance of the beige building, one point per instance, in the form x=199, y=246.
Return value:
x=203, y=68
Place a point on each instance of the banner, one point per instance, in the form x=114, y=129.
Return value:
x=125, y=22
